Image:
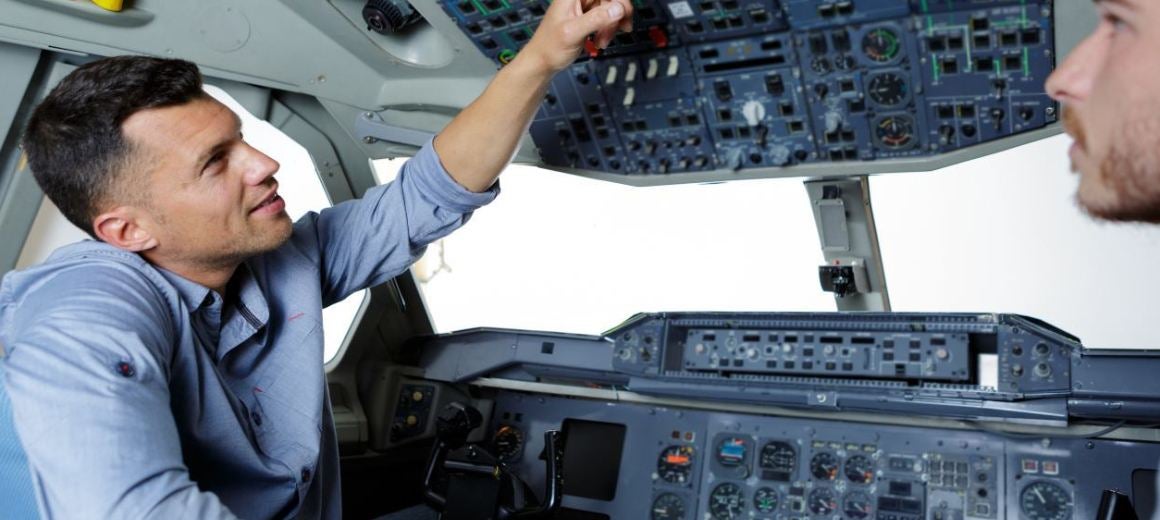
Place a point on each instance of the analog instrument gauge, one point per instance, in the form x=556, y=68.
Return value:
x=675, y=464
x=507, y=443
x=765, y=500
x=895, y=132
x=668, y=506
x=857, y=505
x=823, y=501
x=778, y=461
x=1045, y=500
x=824, y=466
x=881, y=45
x=860, y=469
x=731, y=451
x=726, y=502
x=888, y=89
x=820, y=65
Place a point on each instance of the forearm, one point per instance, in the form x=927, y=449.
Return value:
x=482, y=139
x=477, y=145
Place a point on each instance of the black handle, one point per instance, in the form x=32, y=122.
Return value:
x=1115, y=506
x=554, y=483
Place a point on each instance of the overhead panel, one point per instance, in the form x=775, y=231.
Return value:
x=708, y=89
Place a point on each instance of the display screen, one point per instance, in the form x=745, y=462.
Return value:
x=592, y=453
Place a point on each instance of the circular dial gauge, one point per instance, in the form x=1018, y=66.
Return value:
x=765, y=500
x=1045, y=501
x=726, y=502
x=857, y=505
x=820, y=65
x=675, y=464
x=881, y=45
x=823, y=501
x=731, y=451
x=860, y=469
x=824, y=466
x=507, y=442
x=888, y=89
x=668, y=507
x=895, y=132
x=778, y=461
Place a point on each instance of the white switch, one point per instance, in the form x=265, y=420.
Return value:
x=674, y=66
x=653, y=68
x=629, y=96
x=611, y=77
x=754, y=112
x=630, y=72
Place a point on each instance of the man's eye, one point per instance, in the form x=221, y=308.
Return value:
x=213, y=161
x=1116, y=22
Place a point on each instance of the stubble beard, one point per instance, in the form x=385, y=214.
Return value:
x=244, y=247
x=1126, y=185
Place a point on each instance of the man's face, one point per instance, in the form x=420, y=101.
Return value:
x=1110, y=88
x=212, y=199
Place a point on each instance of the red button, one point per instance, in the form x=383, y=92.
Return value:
x=658, y=37
x=590, y=48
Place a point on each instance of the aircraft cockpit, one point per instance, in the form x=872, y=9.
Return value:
x=769, y=404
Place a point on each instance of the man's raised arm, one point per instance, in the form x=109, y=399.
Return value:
x=482, y=139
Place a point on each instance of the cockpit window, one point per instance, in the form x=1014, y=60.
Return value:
x=563, y=253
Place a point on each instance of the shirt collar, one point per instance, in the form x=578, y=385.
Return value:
x=193, y=294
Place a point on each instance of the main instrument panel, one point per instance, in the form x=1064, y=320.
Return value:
x=688, y=464
x=704, y=85
x=794, y=416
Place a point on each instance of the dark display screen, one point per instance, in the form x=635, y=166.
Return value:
x=592, y=452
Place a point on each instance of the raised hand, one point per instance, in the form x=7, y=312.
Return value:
x=567, y=25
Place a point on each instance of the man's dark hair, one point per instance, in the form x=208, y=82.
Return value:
x=74, y=142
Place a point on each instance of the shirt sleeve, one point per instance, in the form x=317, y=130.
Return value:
x=365, y=242
x=87, y=376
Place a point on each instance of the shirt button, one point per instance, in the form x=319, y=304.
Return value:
x=305, y=475
x=256, y=418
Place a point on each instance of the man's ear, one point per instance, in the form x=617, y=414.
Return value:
x=122, y=227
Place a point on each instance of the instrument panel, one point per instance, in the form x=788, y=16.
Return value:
x=692, y=464
x=729, y=85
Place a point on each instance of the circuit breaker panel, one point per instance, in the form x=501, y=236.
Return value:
x=721, y=85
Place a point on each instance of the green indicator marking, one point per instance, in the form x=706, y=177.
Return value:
x=528, y=31
x=1026, y=63
x=1024, y=13
x=505, y=4
x=924, y=8
x=480, y=8
x=998, y=67
x=934, y=66
x=929, y=26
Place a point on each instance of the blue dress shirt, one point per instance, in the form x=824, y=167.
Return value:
x=139, y=394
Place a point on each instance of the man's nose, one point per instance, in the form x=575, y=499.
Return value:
x=259, y=166
x=1072, y=81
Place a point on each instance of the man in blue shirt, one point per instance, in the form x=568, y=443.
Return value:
x=173, y=367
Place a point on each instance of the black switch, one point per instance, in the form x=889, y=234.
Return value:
x=946, y=134
x=997, y=117
x=774, y=84
x=841, y=40
x=723, y=90
x=818, y=44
